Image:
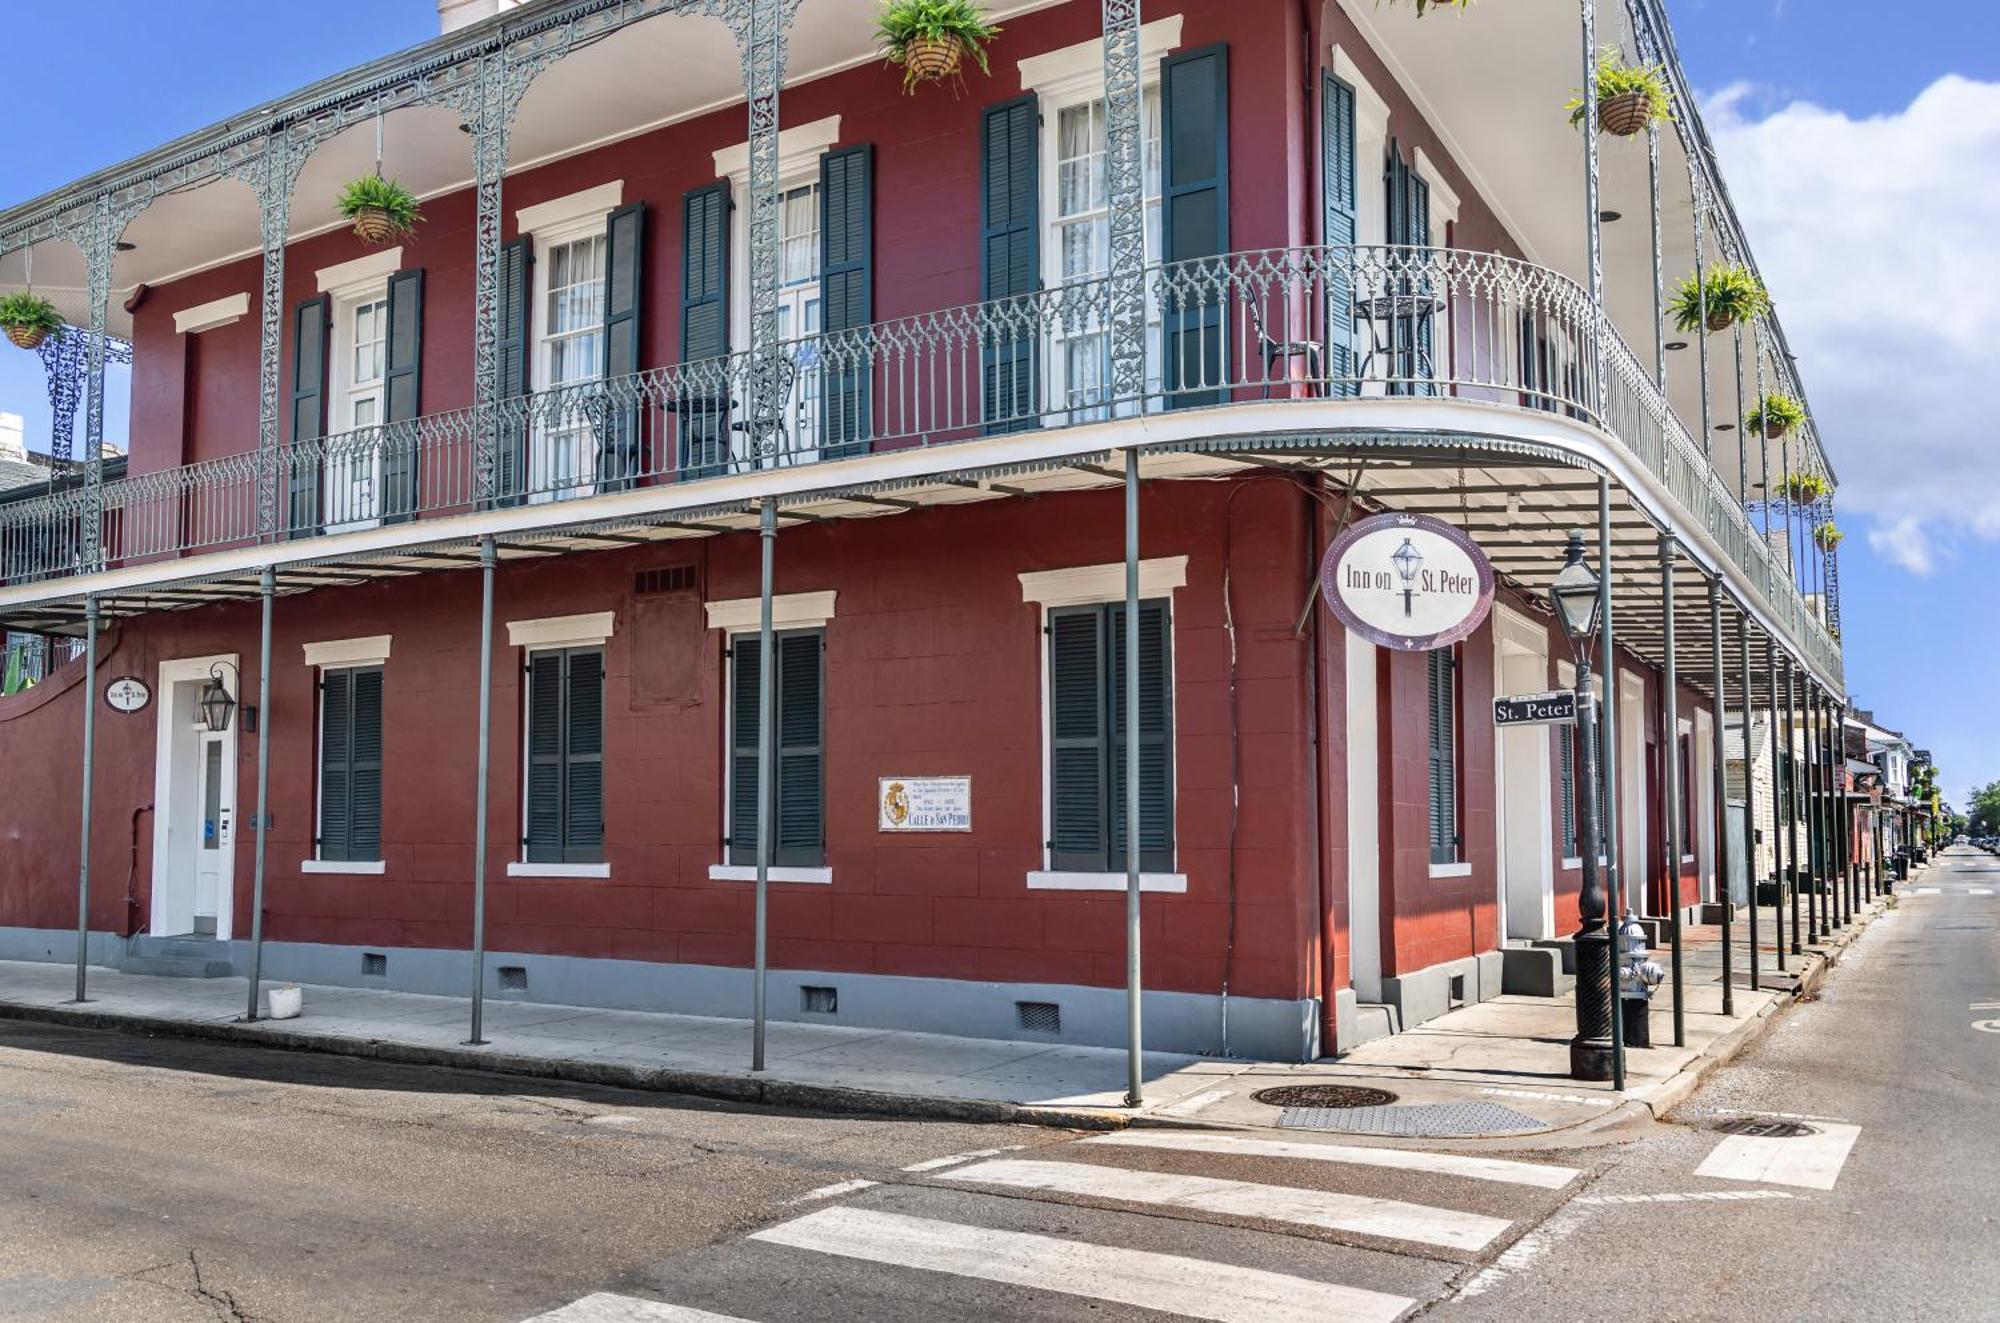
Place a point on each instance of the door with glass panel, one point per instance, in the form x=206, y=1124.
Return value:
x=1080, y=254
x=213, y=830
x=354, y=450
x=562, y=460
x=797, y=441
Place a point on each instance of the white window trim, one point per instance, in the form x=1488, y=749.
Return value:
x=748, y=873
x=1445, y=203
x=516, y=868
x=370, y=651
x=1463, y=868
x=1072, y=71
x=555, y=626
x=1083, y=585
x=1686, y=727
x=799, y=151
x=363, y=274
x=342, y=868
x=208, y=316
x=582, y=631
x=587, y=206
x=1172, y=883
x=741, y=615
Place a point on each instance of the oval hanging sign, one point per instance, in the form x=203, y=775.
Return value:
x=1407, y=581
x=128, y=693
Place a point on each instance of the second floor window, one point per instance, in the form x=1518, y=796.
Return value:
x=569, y=352
x=799, y=309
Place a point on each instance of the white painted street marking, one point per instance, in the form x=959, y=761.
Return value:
x=1782, y=1116
x=833, y=1191
x=933, y=1164
x=1169, y=1283
x=605, y=1307
x=1388, y=1218
x=1692, y=1196
x=1189, y=1106
x=1979, y=891
x=1812, y=1161
x=1549, y=1097
x=1442, y=1164
x=1920, y=891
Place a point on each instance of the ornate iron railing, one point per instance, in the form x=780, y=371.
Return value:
x=1284, y=324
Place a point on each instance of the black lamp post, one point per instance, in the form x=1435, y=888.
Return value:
x=216, y=704
x=1594, y=1053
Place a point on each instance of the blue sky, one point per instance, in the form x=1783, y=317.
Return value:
x=1816, y=125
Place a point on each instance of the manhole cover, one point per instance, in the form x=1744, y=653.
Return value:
x=1323, y=1095
x=1759, y=1128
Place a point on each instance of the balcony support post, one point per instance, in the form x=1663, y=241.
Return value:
x=1781, y=807
x=767, y=775
x=1725, y=893
x=97, y=235
x=1749, y=799
x=267, y=584
x=1593, y=222
x=1607, y=674
x=762, y=30
x=90, y=617
x=1670, y=778
x=1795, y=804
x=1125, y=192
x=480, y=789
x=276, y=172
x=1134, y=835
x=492, y=112
x=1659, y=259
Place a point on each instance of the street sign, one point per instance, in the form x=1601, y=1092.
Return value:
x=1557, y=708
x=925, y=803
x=1407, y=581
x=127, y=693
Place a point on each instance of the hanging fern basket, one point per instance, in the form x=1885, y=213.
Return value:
x=373, y=225
x=27, y=337
x=1626, y=114
x=1721, y=320
x=933, y=59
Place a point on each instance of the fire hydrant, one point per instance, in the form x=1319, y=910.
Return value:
x=1637, y=977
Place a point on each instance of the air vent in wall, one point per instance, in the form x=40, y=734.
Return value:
x=1038, y=1017
x=513, y=978
x=374, y=964
x=819, y=1001
x=666, y=579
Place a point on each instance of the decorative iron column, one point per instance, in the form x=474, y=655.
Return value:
x=1718, y=768
x=1701, y=300
x=1749, y=801
x=1594, y=220
x=1659, y=258
x=1125, y=197
x=1763, y=430
x=97, y=236
x=276, y=173
x=493, y=105
x=1780, y=806
x=1670, y=780
x=761, y=28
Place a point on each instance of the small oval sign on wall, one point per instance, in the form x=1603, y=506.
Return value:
x=128, y=693
x=1407, y=581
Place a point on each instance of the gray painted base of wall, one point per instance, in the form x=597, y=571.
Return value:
x=1356, y=1022
x=1260, y=1029
x=1427, y=993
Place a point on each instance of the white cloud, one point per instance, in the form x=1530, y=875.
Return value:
x=1881, y=240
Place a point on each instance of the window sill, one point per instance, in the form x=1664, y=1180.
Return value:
x=344, y=867
x=748, y=873
x=1461, y=869
x=1163, y=882
x=519, y=869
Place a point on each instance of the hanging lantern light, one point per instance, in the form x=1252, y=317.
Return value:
x=216, y=704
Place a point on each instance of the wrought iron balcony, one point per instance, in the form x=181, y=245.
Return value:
x=1308, y=324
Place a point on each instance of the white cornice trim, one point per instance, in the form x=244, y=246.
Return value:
x=585, y=204
x=370, y=651
x=357, y=275
x=561, y=631
x=214, y=313
x=1444, y=198
x=741, y=615
x=1102, y=583
x=1072, y=68
x=1371, y=112
x=798, y=147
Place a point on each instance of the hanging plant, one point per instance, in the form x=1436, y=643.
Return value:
x=1805, y=488
x=1733, y=294
x=381, y=209
x=1776, y=415
x=1629, y=96
x=1828, y=535
x=29, y=319
x=931, y=39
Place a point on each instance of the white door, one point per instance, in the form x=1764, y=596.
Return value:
x=354, y=452
x=214, y=829
x=1527, y=843
x=194, y=798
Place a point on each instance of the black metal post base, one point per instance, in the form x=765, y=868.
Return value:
x=1638, y=1021
x=1590, y=1052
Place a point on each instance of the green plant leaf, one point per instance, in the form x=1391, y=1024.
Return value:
x=373, y=192
x=905, y=22
x=1734, y=294
x=31, y=312
x=1617, y=78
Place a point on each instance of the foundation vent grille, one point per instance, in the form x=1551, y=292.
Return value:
x=819, y=1001
x=665, y=579
x=374, y=964
x=513, y=978
x=1038, y=1017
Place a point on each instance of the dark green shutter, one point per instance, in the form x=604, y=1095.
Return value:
x=366, y=841
x=801, y=761
x=1009, y=262
x=1339, y=230
x=403, y=396
x=1443, y=756
x=705, y=327
x=847, y=295
x=583, y=756
x=745, y=659
x=1566, y=767
x=510, y=473
x=1194, y=220
x=1156, y=790
x=1078, y=724
x=336, y=762
x=618, y=459
x=311, y=321
x=545, y=744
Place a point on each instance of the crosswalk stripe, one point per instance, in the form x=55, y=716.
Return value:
x=1441, y=1164
x=1144, y=1279
x=1388, y=1218
x=1812, y=1161
x=604, y=1307
x=1927, y=891
x=952, y=1160
x=1979, y=891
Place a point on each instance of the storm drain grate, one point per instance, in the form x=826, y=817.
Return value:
x=1038, y=1017
x=1427, y=1120
x=1323, y=1095
x=1761, y=1128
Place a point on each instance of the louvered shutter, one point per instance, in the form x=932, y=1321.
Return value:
x=403, y=395
x=801, y=723
x=1423, y=320
x=1339, y=232
x=619, y=462
x=1078, y=721
x=583, y=756
x=510, y=474
x=310, y=323
x=705, y=328
x=745, y=661
x=1566, y=766
x=544, y=842
x=1009, y=263
x=365, y=794
x=1443, y=757
x=336, y=762
x=1194, y=221
x=847, y=295
x=1156, y=791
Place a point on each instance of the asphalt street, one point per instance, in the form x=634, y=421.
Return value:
x=1851, y=1177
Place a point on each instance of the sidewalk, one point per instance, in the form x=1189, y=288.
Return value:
x=1511, y=1053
